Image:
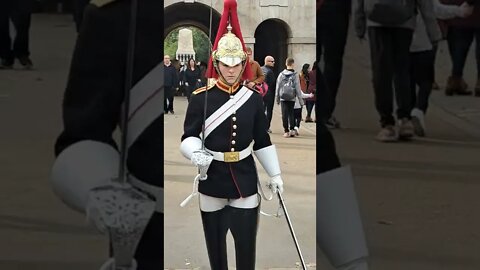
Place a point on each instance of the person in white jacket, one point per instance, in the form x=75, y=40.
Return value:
x=422, y=61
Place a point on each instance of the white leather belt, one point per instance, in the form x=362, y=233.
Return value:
x=231, y=156
x=154, y=191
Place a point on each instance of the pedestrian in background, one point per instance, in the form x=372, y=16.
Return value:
x=78, y=10
x=460, y=36
x=19, y=12
x=257, y=74
x=390, y=39
x=312, y=89
x=333, y=22
x=170, y=83
x=192, y=77
x=270, y=80
x=304, y=82
x=422, y=64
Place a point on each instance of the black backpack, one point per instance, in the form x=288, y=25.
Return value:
x=391, y=12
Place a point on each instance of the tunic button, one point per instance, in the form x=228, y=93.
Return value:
x=234, y=134
x=233, y=142
x=234, y=126
x=231, y=97
x=232, y=150
x=234, y=118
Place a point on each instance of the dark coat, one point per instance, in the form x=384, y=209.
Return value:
x=95, y=88
x=229, y=180
x=270, y=79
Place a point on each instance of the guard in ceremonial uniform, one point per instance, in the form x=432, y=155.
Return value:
x=87, y=155
x=235, y=129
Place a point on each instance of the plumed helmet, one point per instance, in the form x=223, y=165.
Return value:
x=229, y=47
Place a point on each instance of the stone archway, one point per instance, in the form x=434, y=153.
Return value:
x=191, y=14
x=271, y=39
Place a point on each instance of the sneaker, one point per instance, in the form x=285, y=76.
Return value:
x=457, y=86
x=418, y=122
x=26, y=62
x=296, y=131
x=387, y=134
x=286, y=134
x=332, y=123
x=292, y=133
x=405, y=129
x=172, y=112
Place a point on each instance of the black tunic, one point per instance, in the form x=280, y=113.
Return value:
x=237, y=179
x=95, y=92
x=95, y=88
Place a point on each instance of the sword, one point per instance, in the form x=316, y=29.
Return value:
x=205, y=156
x=290, y=226
x=120, y=209
x=206, y=85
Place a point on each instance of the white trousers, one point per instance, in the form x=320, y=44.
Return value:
x=212, y=204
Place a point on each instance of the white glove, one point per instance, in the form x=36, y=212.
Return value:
x=186, y=83
x=275, y=184
x=202, y=159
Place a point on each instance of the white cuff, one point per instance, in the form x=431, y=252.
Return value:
x=269, y=160
x=80, y=168
x=190, y=145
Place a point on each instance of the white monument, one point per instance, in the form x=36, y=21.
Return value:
x=185, y=49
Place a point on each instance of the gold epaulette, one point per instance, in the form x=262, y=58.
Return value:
x=211, y=84
x=101, y=3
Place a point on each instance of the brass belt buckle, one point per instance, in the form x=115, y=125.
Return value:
x=231, y=156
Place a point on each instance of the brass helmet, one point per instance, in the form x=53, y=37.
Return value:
x=229, y=47
x=229, y=50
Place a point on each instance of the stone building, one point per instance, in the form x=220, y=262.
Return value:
x=281, y=28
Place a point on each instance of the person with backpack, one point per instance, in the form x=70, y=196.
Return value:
x=287, y=90
x=390, y=25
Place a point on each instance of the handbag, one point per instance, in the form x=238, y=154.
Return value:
x=262, y=88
